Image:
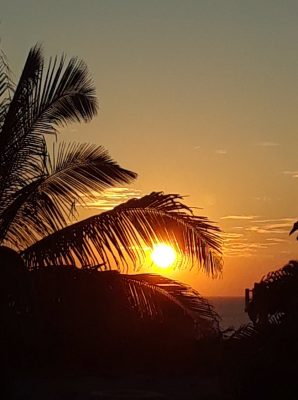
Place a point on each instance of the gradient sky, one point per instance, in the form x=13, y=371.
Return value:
x=200, y=98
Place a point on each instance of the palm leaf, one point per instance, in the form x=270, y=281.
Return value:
x=247, y=332
x=275, y=296
x=19, y=148
x=6, y=87
x=143, y=300
x=294, y=228
x=12, y=213
x=67, y=95
x=41, y=102
x=43, y=206
x=117, y=237
x=143, y=291
x=15, y=125
x=80, y=169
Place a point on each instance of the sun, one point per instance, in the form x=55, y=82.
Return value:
x=163, y=255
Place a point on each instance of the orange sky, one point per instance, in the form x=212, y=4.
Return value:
x=199, y=98
x=252, y=247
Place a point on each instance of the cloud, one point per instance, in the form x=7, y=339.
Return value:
x=282, y=225
x=270, y=228
x=278, y=226
x=258, y=237
x=197, y=147
x=232, y=235
x=278, y=220
x=275, y=240
x=221, y=151
x=240, y=217
x=258, y=229
x=293, y=174
x=245, y=248
x=237, y=245
x=265, y=199
x=267, y=144
x=111, y=198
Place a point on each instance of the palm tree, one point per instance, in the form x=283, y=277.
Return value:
x=39, y=188
x=275, y=300
x=265, y=352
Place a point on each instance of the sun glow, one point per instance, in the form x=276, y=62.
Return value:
x=163, y=255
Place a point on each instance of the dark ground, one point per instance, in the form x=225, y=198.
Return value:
x=114, y=387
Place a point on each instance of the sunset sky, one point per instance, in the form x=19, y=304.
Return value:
x=199, y=98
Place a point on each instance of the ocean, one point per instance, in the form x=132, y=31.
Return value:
x=231, y=310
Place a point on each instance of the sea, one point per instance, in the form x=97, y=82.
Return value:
x=231, y=311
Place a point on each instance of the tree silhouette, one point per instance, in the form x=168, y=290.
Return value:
x=39, y=190
x=264, y=352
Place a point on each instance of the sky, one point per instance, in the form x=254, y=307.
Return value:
x=199, y=98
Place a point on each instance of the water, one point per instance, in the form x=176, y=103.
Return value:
x=231, y=310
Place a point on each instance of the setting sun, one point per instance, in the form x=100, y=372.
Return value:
x=163, y=255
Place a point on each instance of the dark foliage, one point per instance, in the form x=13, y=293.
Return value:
x=55, y=314
x=263, y=355
x=64, y=317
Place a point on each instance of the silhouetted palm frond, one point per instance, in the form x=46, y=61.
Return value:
x=78, y=169
x=294, y=229
x=193, y=305
x=43, y=206
x=19, y=146
x=6, y=86
x=275, y=297
x=14, y=227
x=42, y=101
x=244, y=332
x=144, y=301
x=116, y=237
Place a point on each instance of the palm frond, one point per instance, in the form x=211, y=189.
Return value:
x=294, y=228
x=79, y=169
x=43, y=206
x=143, y=301
x=246, y=332
x=42, y=101
x=15, y=126
x=143, y=290
x=67, y=95
x=20, y=150
x=12, y=212
x=6, y=86
x=117, y=237
x=275, y=296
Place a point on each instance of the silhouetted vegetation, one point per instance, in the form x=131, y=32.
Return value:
x=67, y=306
x=83, y=320
x=40, y=190
x=55, y=315
x=265, y=352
